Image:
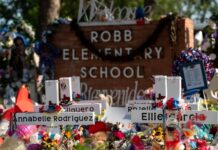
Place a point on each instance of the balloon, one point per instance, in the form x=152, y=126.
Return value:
x=24, y=131
x=1, y=141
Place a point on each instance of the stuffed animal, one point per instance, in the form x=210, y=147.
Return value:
x=107, y=99
x=139, y=16
x=173, y=135
x=98, y=133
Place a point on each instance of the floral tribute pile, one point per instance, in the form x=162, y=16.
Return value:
x=105, y=135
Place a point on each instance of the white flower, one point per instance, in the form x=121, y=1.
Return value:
x=34, y=138
x=57, y=136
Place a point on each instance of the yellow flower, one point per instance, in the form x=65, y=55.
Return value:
x=67, y=134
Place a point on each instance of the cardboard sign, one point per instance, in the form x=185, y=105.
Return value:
x=123, y=80
x=66, y=88
x=55, y=119
x=52, y=91
x=84, y=107
x=156, y=116
x=160, y=86
x=174, y=87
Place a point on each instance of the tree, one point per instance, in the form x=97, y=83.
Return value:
x=48, y=11
x=38, y=13
x=69, y=8
x=151, y=3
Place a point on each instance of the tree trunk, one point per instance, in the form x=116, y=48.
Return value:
x=49, y=11
x=216, y=47
x=151, y=3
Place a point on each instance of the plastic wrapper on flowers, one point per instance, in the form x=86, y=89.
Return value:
x=114, y=136
x=103, y=135
x=190, y=55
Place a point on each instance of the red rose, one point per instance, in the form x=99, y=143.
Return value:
x=137, y=142
x=78, y=96
x=160, y=104
x=57, y=108
x=213, y=130
x=169, y=103
x=41, y=109
x=77, y=137
x=119, y=135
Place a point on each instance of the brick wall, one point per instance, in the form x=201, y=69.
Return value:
x=64, y=38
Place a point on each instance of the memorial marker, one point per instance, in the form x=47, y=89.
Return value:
x=76, y=88
x=84, y=107
x=160, y=86
x=66, y=118
x=156, y=116
x=66, y=88
x=174, y=87
x=51, y=91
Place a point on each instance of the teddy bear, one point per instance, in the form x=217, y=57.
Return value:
x=98, y=134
